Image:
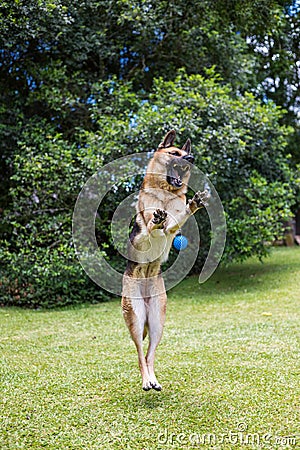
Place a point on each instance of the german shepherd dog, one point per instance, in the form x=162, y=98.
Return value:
x=161, y=211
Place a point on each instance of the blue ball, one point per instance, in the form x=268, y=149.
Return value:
x=180, y=242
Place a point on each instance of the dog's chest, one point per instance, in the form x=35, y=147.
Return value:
x=160, y=245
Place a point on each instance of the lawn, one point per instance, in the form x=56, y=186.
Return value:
x=229, y=363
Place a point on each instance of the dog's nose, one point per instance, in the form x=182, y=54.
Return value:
x=189, y=158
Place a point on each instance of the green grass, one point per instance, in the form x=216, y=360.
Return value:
x=229, y=360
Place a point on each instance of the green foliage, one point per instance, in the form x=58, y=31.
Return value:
x=38, y=263
x=237, y=141
x=257, y=215
x=45, y=278
x=84, y=82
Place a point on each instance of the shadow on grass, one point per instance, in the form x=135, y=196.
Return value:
x=150, y=400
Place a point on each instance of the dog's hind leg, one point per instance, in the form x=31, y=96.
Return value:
x=156, y=319
x=134, y=312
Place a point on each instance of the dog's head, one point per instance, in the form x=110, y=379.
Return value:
x=175, y=162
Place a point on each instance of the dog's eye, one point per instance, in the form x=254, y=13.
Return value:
x=174, y=153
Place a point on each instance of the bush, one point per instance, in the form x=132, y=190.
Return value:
x=45, y=278
x=237, y=141
x=39, y=267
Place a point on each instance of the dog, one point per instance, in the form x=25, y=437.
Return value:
x=161, y=211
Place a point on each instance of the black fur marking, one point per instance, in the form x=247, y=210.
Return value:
x=135, y=230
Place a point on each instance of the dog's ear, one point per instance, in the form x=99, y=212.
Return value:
x=187, y=146
x=168, y=139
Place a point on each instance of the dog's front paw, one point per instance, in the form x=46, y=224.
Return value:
x=199, y=200
x=159, y=217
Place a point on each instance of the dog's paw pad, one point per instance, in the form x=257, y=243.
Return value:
x=159, y=216
x=201, y=199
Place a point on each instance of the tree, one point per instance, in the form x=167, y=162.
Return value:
x=277, y=66
x=74, y=74
x=237, y=142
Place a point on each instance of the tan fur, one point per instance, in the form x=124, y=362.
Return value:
x=161, y=212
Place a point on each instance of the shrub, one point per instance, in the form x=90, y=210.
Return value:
x=237, y=141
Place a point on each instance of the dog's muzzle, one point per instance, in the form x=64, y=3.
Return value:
x=178, y=169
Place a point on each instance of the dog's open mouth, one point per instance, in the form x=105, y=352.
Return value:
x=175, y=174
